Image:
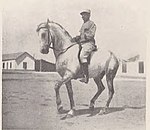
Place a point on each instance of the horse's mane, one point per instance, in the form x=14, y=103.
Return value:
x=66, y=32
x=45, y=24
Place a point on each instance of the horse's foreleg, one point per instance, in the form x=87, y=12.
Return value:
x=100, y=87
x=58, y=99
x=70, y=94
x=66, y=78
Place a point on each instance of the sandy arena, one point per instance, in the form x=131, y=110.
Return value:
x=29, y=104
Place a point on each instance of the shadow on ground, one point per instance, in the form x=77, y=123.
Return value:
x=96, y=111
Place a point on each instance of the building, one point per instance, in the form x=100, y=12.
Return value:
x=18, y=61
x=44, y=66
x=135, y=68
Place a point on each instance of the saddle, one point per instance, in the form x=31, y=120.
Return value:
x=90, y=55
x=80, y=73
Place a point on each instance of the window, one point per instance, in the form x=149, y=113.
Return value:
x=25, y=65
x=124, y=68
x=141, y=67
x=10, y=65
x=3, y=65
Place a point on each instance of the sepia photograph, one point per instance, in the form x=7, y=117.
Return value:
x=74, y=65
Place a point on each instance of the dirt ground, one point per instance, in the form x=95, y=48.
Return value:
x=29, y=104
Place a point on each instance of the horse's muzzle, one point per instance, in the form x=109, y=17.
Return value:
x=44, y=50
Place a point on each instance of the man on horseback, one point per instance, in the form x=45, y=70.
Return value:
x=86, y=41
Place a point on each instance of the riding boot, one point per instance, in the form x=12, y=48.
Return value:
x=85, y=73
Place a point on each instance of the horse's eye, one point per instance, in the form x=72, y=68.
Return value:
x=43, y=35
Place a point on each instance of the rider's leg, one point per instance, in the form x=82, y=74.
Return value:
x=86, y=50
x=84, y=63
x=85, y=72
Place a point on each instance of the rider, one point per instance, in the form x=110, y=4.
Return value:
x=87, y=41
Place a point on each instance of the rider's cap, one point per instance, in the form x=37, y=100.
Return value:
x=85, y=11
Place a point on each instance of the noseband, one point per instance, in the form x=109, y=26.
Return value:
x=50, y=36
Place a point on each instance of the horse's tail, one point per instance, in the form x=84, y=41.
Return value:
x=120, y=60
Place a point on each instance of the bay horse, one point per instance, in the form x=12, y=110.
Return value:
x=53, y=35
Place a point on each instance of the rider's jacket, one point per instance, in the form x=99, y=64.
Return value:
x=87, y=32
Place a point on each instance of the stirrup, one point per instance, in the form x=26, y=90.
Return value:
x=84, y=80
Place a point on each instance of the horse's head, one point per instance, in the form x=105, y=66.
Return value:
x=44, y=37
x=51, y=32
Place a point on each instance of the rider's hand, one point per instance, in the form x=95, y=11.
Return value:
x=78, y=38
x=73, y=39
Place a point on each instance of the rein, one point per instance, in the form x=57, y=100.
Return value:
x=50, y=35
x=49, y=42
x=62, y=50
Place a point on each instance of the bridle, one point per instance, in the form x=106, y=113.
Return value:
x=47, y=26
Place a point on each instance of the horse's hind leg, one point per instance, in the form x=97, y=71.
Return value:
x=100, y=89
x=109, y=79
x=111, y=91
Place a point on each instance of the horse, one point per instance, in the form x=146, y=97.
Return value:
x=53, y=35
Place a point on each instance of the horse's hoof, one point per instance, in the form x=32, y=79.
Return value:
x=69, y=116
x=103, y=112
x=60, y=109
x=91, y=108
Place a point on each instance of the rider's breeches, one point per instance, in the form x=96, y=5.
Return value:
x=86, y=50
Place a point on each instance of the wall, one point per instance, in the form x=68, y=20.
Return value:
x=30, y=64
x=42, y=65
x=132, y=69
x=8, y=62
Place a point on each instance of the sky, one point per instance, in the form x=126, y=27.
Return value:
x=121, y=24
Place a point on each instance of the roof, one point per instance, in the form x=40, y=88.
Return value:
x=14, y=56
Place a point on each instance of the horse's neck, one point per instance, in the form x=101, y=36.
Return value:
x=61, y=40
